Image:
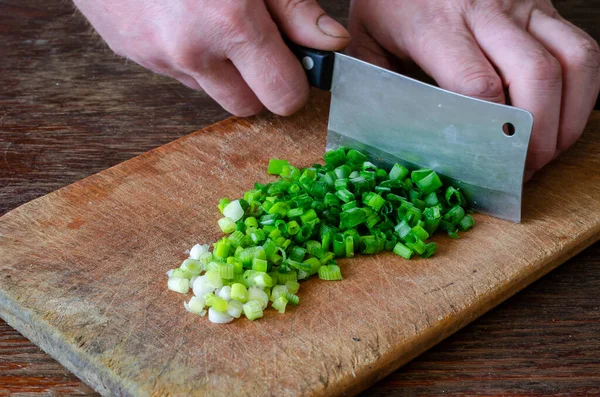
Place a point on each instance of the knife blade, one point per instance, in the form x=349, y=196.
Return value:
x=476, y=145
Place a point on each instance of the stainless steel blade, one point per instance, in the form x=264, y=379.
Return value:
x=398, y=119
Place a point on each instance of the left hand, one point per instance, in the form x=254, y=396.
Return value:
x=478, y=48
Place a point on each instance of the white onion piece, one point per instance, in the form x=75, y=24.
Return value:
x=234, y=308
x=255, y=293
x=195, y=305
x=198, y=250
x=201, y=287
x=169, y=273
x=219, y=317
x=225, y=293
x=233, y=210
x=192, y=280
x=181, y=285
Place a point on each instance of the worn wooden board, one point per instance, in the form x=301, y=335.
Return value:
x=83, y=272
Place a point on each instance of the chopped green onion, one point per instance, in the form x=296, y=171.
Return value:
x=253, y=310
x=280, y=303
x=296, y=226
x=466, y=223
x=177, y=284
x=239, y=292
x=292, y=286
x=330, y=273
x=275, y=166
x=403, y=251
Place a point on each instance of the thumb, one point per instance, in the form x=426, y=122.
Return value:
x=305, y=23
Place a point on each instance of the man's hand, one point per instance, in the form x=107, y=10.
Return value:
x=480, y=48
x=232, y=49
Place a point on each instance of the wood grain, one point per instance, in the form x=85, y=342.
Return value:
x=105, y=111
x=95, y=253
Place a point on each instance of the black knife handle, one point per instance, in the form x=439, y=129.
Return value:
x=317, y=64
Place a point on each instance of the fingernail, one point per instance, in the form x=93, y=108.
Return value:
x=331, y=27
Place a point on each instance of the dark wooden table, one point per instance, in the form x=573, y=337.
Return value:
x=70, y=108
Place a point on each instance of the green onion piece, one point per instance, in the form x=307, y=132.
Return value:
x=430, y=250
x=415, y=243
x=270, y=248
x=341, y=184
x=454, y=197
x=287, y=276
x=177, y=284
x=351, y=218
x=314, y=248
x=428, y=184
x=181, y=273
x=275, y=233
x=402, y=229
x=349, y=246
x=226, y=271
x=314, y=264
x=453, y=234
x=308, y=216
x=236, y=239
x=216, y=302
x=339, y=245
x=293, y=299
x=221, y=248
x=293, y=227
x=403, y=251
x=345, y=195
x=234, y=308
x=398, y=172
x=260, y=265
x=222, y=204
x=194, y=267
x=355, y=157
x=420, y=232
x=239, y=292
x=278, y=290
x=297, y=254
x=275, y=166
x=280, y=303
x=292, y=286
x=466, y=223
x=330, y=273
x=253, y=310
x=335, y=158
x=454, y=215
x=431, y=199
x=238, y=267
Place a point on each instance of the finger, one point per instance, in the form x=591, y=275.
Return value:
x=579, y=57
x=224, y=83
x=269, y=68
x=364, y=46
x=305, y=23
x=453, y=58
x=533, y=77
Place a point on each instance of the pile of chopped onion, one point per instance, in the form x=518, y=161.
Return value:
x=296, y=227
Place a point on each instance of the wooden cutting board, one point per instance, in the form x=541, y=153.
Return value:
x=83, y=271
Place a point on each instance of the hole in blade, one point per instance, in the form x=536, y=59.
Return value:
x=508, y=129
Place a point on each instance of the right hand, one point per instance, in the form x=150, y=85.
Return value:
x=231, y=49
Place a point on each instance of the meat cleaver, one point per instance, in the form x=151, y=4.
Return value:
x=476, y=145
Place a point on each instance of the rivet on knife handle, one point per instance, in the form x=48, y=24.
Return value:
x=317, y=64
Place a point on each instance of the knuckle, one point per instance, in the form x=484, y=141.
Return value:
x=481, y=83
x=584, y=55
x=290, y=102
x=292, y=5
x=543, y=67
